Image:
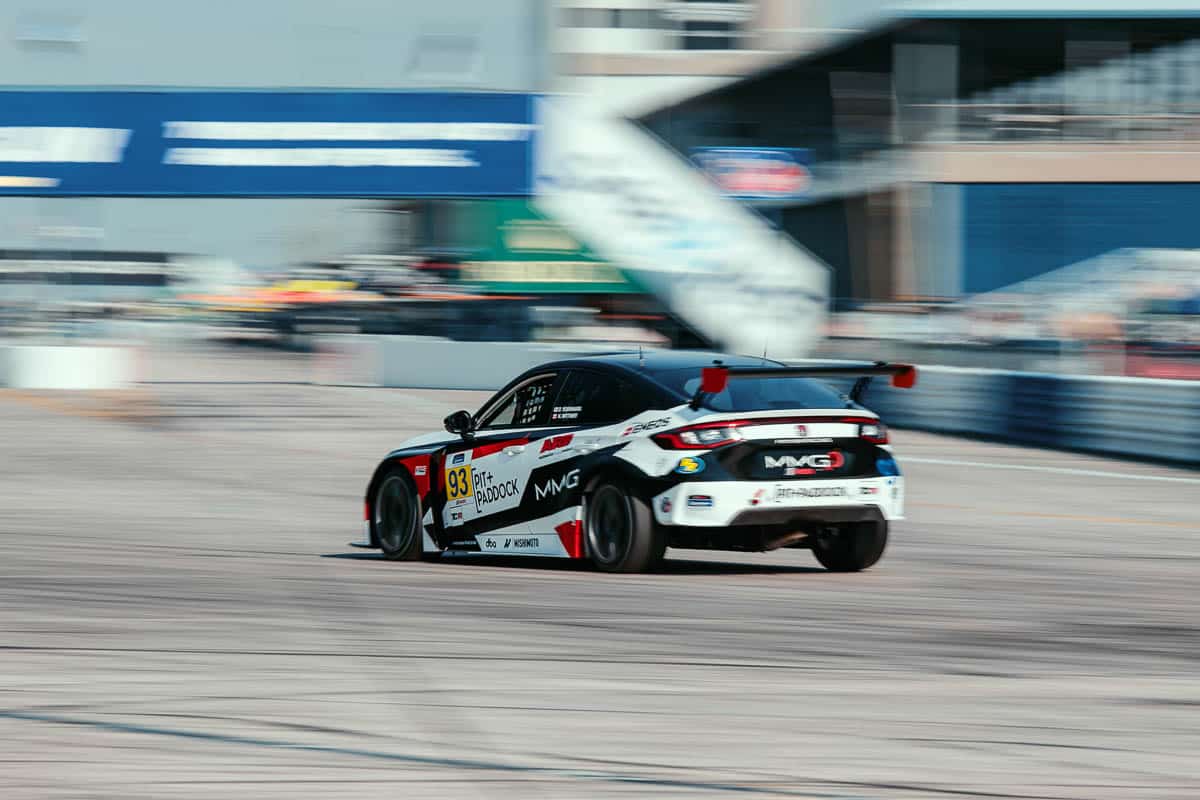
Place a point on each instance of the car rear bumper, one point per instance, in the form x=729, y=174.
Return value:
x=709, y=504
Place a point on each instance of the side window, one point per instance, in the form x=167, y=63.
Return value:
x=524, y=406
x=594, y=398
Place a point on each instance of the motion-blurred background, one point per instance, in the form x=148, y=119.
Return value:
x=1005, y=184
x=248, y=248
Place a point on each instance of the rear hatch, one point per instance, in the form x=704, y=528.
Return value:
x=791, y=447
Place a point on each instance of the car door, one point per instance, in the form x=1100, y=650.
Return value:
x=484, y=478
x=588, y=402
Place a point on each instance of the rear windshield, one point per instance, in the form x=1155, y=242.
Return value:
x=758, y=394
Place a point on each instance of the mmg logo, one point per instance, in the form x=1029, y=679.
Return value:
x=823, y=461
x=555, y=485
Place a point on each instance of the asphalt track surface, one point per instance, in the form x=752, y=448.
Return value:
x=180, y=616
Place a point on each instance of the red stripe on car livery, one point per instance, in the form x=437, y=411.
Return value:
x=418, y=468
x=571, y=535
x=481, y=450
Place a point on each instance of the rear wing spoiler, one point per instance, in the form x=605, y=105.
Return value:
x=713, y=380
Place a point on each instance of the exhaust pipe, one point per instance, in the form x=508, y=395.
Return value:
x=785, y=540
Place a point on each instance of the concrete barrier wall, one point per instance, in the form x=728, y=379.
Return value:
x=1136, y=417
x=467, y=365
x=427, y=362
x=87, y=367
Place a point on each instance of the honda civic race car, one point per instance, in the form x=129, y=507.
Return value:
x=615, y=457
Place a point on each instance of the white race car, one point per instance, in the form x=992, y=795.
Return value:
x=616, y=457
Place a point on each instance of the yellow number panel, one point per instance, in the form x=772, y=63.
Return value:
x=458, y=482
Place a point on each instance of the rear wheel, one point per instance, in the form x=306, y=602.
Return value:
x=622, y=535
x=396, y=517
x=851, y=548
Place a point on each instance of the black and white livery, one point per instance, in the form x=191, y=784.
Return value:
x=616, y=457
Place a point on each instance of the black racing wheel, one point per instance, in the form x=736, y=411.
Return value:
x=851, y=548
x=622, y=535
x=396, y=517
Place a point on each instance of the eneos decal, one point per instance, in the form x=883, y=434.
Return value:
x=642, y=427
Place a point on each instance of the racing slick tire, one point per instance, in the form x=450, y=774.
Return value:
x=396, y=517
x=622, y=535
x=853, y=547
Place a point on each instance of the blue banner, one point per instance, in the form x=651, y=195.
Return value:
x=239, y=144
x=756, y=173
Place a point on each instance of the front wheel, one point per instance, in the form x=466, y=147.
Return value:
x=396, y=517
x=622, y=535
x=851, y=548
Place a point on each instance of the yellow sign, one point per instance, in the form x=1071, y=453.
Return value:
x=458, y=483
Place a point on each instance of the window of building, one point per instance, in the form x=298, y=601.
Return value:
x=637, y=18
x=612, y=18
x=443, y=55
x=588, y=17
x=709, y=35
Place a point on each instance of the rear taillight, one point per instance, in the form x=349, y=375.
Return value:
x=872, y=431
x=699, y=437
x=706, y=436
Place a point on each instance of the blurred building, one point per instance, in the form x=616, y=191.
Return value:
x=924, y=150
x=961, y=146
x=632, y=56
x=351, y=49
x=636, y=55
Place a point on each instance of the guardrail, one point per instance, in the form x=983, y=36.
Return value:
x=430, y=362
x=1134, y=417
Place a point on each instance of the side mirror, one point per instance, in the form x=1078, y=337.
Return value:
x=460, y=422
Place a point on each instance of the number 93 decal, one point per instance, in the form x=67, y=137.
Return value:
x=458, y=483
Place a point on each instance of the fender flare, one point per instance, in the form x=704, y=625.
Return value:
x=609, y=466
x=395, y=460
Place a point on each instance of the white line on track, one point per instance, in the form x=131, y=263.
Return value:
x=1091, y=473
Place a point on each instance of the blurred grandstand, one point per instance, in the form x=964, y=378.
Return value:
x=926, y=158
